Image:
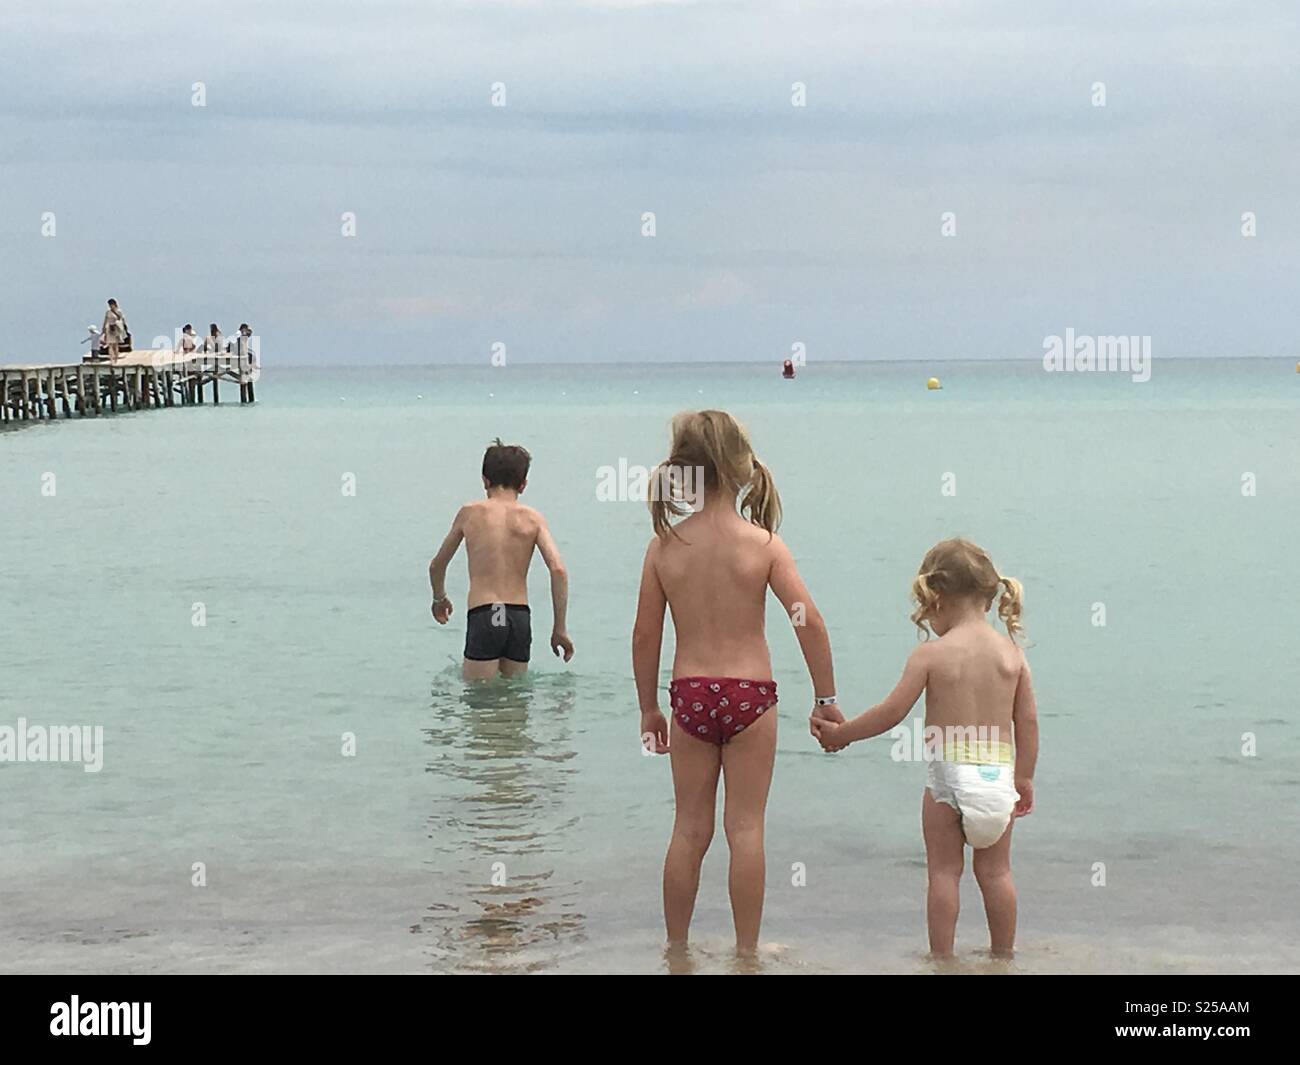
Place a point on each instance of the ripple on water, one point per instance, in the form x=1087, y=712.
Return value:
x=499, y=820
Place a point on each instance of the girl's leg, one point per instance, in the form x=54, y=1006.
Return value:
x=944, y=854
x=993, y=871
x=695, y=791
x=747, y=767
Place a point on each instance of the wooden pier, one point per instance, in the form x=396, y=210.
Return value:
x=139, y=380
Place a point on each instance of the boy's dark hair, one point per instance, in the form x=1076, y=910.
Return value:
x=506, y=465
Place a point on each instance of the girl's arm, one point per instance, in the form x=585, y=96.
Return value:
x=814, y=641
x=1024, y=719
x=647, y=642
x=892, y=709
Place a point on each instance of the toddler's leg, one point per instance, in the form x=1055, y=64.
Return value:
x=695, y=790
x=993, y=871
x=747, y=766
x=944, y=854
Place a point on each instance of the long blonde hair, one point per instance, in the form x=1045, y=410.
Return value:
x=713, y=442
x=961, y=569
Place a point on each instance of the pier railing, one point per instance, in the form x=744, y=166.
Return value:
x=139, y=380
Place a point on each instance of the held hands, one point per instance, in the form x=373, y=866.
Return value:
x=823, y=723
x=1026, y=803
x=560, y=642
x=654, y=732
x=441, y=610
x=827, y=734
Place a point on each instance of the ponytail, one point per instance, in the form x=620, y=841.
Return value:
x=664, y=497
x=926, y=598
x=1010, y=605
x=762, y=503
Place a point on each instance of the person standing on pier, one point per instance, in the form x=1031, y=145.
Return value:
x=187, y=342
x=243, y=348
x=114, y=330
x=213, y=343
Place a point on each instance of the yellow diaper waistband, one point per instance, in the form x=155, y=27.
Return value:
x=978, y=752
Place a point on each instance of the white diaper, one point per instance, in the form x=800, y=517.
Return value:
x=985, y=796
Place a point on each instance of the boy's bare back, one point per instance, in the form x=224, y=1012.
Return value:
x=500, y=536
x=973, y=671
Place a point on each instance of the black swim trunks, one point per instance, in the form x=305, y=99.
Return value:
x=498, y=630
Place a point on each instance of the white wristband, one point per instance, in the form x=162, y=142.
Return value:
x=826, y=701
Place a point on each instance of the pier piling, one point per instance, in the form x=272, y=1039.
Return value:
x=140, y=380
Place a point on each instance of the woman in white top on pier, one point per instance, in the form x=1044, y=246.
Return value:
x=114, y=329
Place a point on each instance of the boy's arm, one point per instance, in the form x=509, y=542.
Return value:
x=647, y=642
x=894, y=707
x=560, y=641
x=438, y=567
x=1024, y=719
x=809, y=627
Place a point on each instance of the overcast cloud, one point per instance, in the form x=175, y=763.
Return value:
x=522, y=223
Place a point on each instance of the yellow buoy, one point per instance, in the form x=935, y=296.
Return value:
x=933, y=383
x=1297, y=367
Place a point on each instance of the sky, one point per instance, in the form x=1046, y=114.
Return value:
x=774, y=224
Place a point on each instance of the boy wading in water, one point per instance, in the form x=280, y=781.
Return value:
x=978, y=693
x=500, y=534
x=713, y=570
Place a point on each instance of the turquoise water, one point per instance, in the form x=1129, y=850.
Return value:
x=223, y=742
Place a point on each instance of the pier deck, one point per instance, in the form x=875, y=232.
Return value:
x=139, y=380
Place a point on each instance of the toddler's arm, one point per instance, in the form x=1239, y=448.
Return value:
x=1024, y=719
x=647, y=642
x=887, y=713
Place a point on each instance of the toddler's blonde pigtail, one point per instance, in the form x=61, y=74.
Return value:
x=925, y=598
x=1011, y=604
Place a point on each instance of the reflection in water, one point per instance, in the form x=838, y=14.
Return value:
x=503, y=752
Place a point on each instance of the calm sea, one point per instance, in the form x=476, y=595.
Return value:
x=203, y=585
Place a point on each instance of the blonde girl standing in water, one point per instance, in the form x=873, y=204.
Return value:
x=712, y=569
x=978, y=698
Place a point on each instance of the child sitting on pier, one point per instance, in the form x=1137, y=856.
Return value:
x=500, y=534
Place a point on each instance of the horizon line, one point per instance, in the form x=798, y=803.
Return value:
x=948, y=360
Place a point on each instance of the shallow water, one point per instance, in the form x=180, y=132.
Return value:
x=223, y=742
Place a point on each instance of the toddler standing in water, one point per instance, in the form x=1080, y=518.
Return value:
x=977, y=691
x=713, y=570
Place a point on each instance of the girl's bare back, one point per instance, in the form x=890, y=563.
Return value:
x=973, y=673
x=715, y=575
